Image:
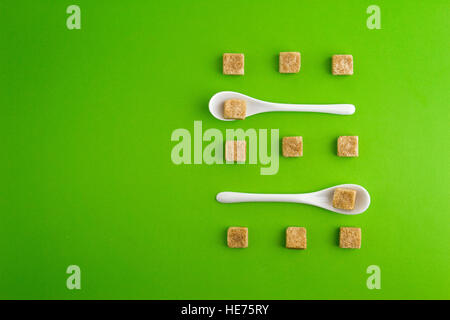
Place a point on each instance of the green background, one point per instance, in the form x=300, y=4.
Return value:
x=86, y=174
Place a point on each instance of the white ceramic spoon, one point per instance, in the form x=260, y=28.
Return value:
x=255, y=106
x=322, y=198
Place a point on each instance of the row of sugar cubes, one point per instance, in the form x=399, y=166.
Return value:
x=349, y=237
x=289, y=62
x=347, y=146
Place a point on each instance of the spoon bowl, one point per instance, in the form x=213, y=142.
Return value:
x=255, y=106
x=322, y=198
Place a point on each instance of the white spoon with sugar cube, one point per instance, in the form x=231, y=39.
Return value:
x=255, y=106
x=322, y=198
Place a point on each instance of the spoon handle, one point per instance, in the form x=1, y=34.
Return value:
x=234, y=197
x=345, y=109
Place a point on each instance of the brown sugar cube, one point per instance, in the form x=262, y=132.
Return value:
x=289, y=62
x=344, y=198
x=342, y=64
x=347, y=146
x=296, y=238
x=233, y=63
x=350, y=238
x=235, y=151
x=234, y=109
x=292, y=146
x=237, y=237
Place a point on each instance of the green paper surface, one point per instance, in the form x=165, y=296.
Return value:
x=87, y=177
